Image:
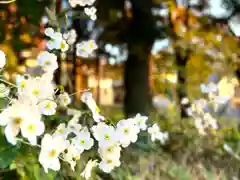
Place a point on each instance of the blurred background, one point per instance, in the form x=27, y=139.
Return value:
x=151, y=54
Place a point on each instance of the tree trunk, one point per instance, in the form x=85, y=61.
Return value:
x=237, y=72
x=181, y=74
x=136, y=85
x=140, y=39
x=181, y=62
x=57, y=73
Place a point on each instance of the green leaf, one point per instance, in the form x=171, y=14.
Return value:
x=8, y=153
x=32, y=9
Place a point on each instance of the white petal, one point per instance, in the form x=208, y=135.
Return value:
x=47, y=140
x=33, y=140
x=49, y=32
x=11, y=132
x=55, y=165
x=40, y=128
x=2, y=59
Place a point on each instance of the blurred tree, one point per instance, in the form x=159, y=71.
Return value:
x=141, y=36
x=131, y=22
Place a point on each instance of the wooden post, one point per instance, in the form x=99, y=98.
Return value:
x=78, y=79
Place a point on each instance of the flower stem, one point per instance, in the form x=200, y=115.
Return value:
x=25, y=142
x=7, y=2
x=78, y=92
x=4, y=81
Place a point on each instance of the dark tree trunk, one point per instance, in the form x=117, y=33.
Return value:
x=181, y=62
x=237, y=72
x=136, y=85
x=57, y=73
x=140, y=39
x=181, y=74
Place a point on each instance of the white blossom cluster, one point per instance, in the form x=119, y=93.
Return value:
x=89, y=11
x=36, y=98
x=217, y=95
x=56, y=40
x=86, y=48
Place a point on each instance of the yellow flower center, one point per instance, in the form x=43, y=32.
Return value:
x=63, y=45
x=17, y=120
x=109, y=161
x=31, y=128
x=125, y=130
x=90, y=45
x=97, y=109
x=36, y=92
x=65, y=99
x=110, y=149
x=48, y=105
x=82, y=142
x=47, y=62
x=107, y=137
x=22, y=84
x=60, y=131
x=52, y=153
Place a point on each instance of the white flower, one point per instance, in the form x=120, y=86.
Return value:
x=73, y=125
x=48, y=78
x=87, y=171
x=209, y=121
x=64, y=46
x=4, y=90
x=14, y=118
x=74, y=3
x=87, y=98
x=55, y=41
x=233, y=23
x=32, y=129
x=48, y=61
x=156, y=134
x=49, y=32
x=37, y=89
x=184, y=101
x=20, y=82
x=70, y=36
x=205, y=122
x=226, y=88
x=91, y=12
x=154, y=131
x=104, y=133
x=108, y=164
x=199, y=125
x=71, y=155
x=64, y=99
x=110, y=150
x=197, y=107
x=83, y=141
x=51, y=147
x=61, y=131
x=127, y=132
x=86, y=48
x=74, y=112
x=2, y=59
x=47, y=107
x=227, y=148
x=140, y=121
x=209, y=88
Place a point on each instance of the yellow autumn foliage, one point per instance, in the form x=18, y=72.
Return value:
x=198, y=72
x=12, y=60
